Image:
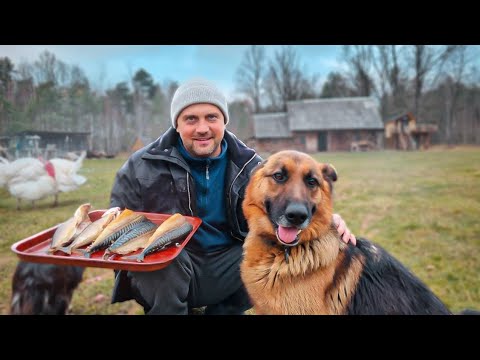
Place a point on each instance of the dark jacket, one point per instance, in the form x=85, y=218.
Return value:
x=157, y=179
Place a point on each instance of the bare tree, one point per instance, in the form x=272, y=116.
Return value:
x=143, y=92
x=119, y=107
x=271, y=94
x=427, y=60
x=456, y=66
x=359, y=59
x=391, y=80
x=77, y=76
x=6, y=96
x=161, y=107
x=336, y=85
x=171, y=86
x=48, y=69
x=286, y=80
x=24, y=71
x=251, y=72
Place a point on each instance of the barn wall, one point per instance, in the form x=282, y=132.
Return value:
x=339, y=140
x=311, y=142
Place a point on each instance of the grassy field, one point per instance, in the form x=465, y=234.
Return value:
x=423, y=207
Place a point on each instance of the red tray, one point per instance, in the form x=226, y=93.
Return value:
x=34, y=249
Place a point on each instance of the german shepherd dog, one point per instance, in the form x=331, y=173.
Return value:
x=294, y=261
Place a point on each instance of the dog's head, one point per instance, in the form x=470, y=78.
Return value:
x=289, y=197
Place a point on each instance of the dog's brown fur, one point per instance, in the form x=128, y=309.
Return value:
x=271, y=282
x=323, y=274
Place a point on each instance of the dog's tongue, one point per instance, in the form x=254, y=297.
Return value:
x=287, y=234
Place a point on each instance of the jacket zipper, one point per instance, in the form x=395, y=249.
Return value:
x=206, y=173
x=231, y=187
x=189, y=195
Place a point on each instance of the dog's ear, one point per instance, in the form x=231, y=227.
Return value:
x=329, y=173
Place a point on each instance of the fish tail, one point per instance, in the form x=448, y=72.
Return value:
x=66, y=250
x=138, y=257
x=141, y=257
x=85, y=253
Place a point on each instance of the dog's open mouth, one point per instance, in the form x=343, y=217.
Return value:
x=288, y=236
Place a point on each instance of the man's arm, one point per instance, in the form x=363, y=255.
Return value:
x=125, y=191
x=343, y=230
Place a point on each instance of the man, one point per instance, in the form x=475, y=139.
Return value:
x=195, y=168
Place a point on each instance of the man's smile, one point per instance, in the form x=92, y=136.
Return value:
x=203, y=141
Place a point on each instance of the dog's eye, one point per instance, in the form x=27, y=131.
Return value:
x=279, y=177
x=311, y=182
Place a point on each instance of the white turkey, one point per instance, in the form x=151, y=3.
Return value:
x=34, y=179
x=24, y=168
x=66, y=173
x=33, y=188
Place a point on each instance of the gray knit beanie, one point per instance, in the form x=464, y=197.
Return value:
x=196, y=92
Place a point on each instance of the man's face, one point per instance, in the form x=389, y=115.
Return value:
x=201, y=128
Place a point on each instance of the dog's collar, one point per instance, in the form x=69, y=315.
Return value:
x=286, y=248
x=287, y=252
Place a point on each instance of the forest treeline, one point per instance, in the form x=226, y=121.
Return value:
x=439, y=84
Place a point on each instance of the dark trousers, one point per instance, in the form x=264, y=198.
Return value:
x=193, y=279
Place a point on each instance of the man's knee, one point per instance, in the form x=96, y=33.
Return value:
x=235, y=304
x=163, y=291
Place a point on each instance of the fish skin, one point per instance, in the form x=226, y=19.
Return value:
x=126, y=217
x=63, y=234
x=163, y=241
x=133, y=245
x=140, y=229
x=120, y=228
x=82, y=226
x=88, y=235
x=67, y=230
x=82, y=211
x=173, y=222
x=114, y=210
x=132, y=240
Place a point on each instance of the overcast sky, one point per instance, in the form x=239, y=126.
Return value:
x=173, y=62
x=107, y=65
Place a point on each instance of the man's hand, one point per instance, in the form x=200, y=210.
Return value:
x=343, y=230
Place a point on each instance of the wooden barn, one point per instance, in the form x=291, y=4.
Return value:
x=335, y=124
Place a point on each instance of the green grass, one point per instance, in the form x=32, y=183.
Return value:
x=422, y=207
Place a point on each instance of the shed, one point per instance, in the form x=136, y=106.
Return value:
x=50, y=143
x=402, y=132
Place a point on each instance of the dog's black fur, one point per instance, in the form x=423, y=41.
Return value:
x=43, y=289
x=386, y=286
x=313, y=272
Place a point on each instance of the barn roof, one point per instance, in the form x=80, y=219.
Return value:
x=271, y=125
x=334, y=114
